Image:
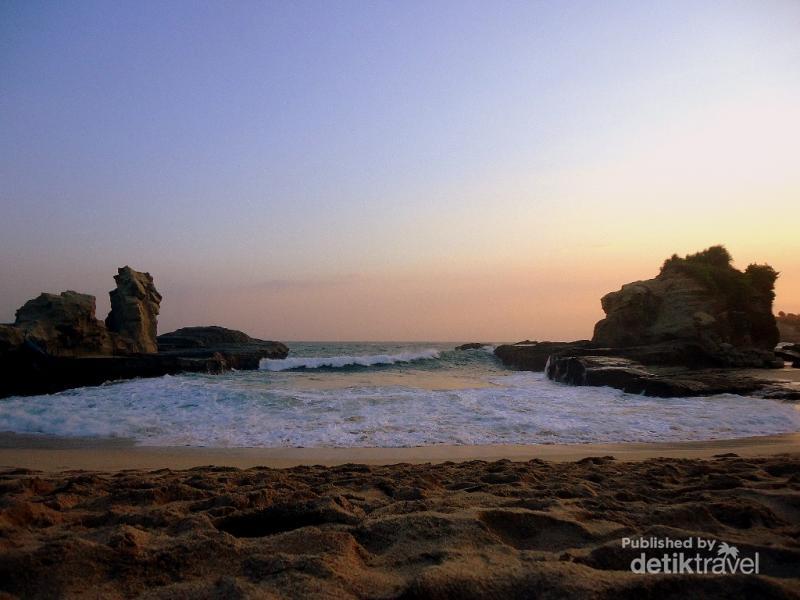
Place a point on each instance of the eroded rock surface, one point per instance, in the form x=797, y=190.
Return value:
x=134, y=310
x=57, y=343
x=61, y=325
x=701, y=301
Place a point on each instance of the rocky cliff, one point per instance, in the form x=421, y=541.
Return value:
x=700, y=302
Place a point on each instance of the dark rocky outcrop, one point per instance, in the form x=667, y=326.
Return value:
x=28, y=371
x=532, y=356
x=57, y=342
x=701, y=301
x=471, y=346
x=635, y=378
x=203, y=337
x=789, y=353
x=236, y=349
x=134, y=310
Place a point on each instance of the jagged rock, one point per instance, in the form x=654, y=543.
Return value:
x=532, y=356
x=471, y=346
x=57, y=343
x=699, y=301
x=60, y=325
x=134, y=310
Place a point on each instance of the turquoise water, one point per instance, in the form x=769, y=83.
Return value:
x=383, y=395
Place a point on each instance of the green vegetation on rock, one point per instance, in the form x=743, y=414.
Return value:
x=712, y=267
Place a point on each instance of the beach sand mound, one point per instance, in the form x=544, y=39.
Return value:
x=452, y=530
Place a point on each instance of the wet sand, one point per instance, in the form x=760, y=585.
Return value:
x=57, y=454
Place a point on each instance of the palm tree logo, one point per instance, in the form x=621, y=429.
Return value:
x=725, y=550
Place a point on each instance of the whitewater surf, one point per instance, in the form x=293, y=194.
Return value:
x=384, y=395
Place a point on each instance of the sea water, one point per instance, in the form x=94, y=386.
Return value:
x=384, y=395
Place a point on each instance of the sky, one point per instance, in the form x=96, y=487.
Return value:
x=343, y=170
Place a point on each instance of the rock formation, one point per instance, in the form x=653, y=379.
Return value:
x=533, y=356
x=635, y=378
x=61, y=325
x=134, y=310
x=471, y=346
x=235, y=349
x=700, y=302
x=57, y=343
x=203, y=337
x=669, y=336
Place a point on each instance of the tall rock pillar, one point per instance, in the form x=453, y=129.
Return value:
x=134, y=310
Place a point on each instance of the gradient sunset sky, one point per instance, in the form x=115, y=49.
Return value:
x=393, y=170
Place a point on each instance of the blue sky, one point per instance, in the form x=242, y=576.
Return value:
x=393, y=170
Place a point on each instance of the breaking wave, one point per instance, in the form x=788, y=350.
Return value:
x=262, y=409
x=338, y=362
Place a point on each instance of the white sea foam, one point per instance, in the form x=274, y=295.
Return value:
x=276, y=409
x=286, y=364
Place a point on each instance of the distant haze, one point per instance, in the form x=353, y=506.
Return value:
x=393, y=170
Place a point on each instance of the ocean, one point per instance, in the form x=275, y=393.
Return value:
x=383, y=395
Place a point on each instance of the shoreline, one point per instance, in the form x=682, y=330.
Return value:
x=114, y=454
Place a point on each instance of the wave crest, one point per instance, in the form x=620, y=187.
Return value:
x=338, y=362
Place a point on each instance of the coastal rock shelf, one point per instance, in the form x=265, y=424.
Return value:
x=29, y=372
x=634, y=378
x=230, y=349
x=533, y=356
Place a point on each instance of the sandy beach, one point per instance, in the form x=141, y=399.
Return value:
x=108, y=519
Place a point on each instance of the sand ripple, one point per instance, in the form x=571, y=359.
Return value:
x=452, y=530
